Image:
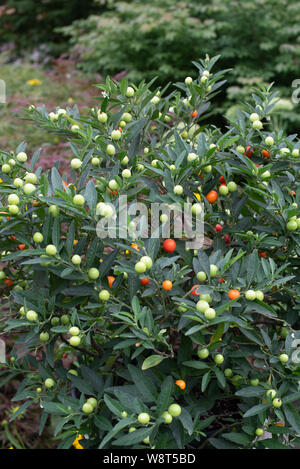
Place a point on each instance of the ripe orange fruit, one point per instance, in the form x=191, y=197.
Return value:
x=180, y=383
x=193, y=292
x=169, y=245
x=194, y=114
x=144, y=281
x=21, y=246
x=212, y=197
x=233, y=294
x=110, y=280
x=167, y=284
x=266, y=154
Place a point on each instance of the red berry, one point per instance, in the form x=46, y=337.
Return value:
x=218, y=227
x=169, y=245
x=227, y=239
x=248, y=151
x=144, y=281
x=193, y=290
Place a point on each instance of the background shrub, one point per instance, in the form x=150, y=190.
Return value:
x=258, y=39
x=31, y=24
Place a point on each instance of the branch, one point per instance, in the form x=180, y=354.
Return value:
x=80, y=349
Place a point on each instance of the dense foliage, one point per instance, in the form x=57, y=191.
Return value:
x=132, y=342
x=31, y=24
x=258, y=39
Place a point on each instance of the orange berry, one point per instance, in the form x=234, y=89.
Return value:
x=167, y=285
x=110, y=280
x=194, y=114
x=233, y=294
x=22, y=246
x=180, y=383
x=193, y=292
x=212, y=197
x=266, y=154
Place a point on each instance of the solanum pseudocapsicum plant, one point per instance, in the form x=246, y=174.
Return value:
x=169, y=347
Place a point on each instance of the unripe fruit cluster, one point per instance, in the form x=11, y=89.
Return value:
x=145, y=263
x=89, y=406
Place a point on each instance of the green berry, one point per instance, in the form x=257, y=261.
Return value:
x=167, y=417
x=31, y=315
x=277, y=402
x=22, y=157
x=51, y=250
x=87, y=408
x=201, y=276
x=140, y=267
x=93, y=273
x=92, y=401
x=284, y=358
x=250, y=295
x=213, y=270
x=13, y=199
x=74, y=341
x=144, y=418
x=74, y=331
x=219, y=359
x=76, y=260
x=78, y=200
x=44, y=336
x=202, y=306
x=76, y=163
x=272, y=393
x=259, y=432
x=104, y=295
x=228, y=372
x=38, y=237
x=174, y=410
x=49, y=383
x=203, y=353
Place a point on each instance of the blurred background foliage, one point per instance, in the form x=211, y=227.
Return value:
x=259, y=40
